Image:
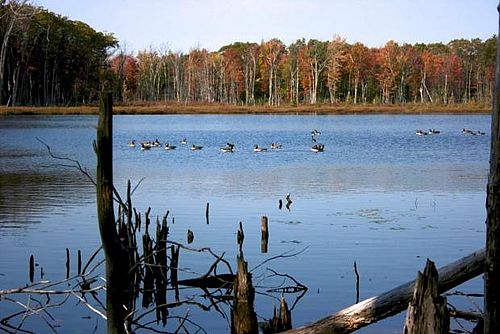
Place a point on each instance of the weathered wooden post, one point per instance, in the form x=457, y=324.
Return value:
x=174, y=264
x=148, y=280
x=357, y=281
x=281, y=321
x=161, y=270
x=240, y=236
x=492, y=260
x=207, y=213
x=32, y=268
x=79, y=262
x=67, y=263
x=427, y=312
x=265, y=234
x=117, y=267
x=243, y=316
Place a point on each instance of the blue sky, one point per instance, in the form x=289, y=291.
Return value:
x=183, y=24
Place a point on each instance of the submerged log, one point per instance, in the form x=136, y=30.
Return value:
x=427, y=312
x=396, y=300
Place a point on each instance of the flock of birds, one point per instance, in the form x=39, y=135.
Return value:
x=420, y=132
x=228, y=148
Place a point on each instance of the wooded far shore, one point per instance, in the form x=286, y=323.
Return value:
x=217, y=108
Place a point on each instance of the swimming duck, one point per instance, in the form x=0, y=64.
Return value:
x=275, y=146
x=131, y=143
x=257, y=148
x=229, y=148
x=184, y=141
x=145, y=145
x=169, y=147
x=196, y=147
x=318, y=148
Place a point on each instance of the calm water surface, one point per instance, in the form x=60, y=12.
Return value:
x=379, y=195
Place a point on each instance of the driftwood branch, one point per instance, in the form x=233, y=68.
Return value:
x=396, y=300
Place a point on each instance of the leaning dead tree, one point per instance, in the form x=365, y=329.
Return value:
x=394, y=301
x=492, y=262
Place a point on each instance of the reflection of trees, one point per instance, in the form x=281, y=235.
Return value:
x=25, y=194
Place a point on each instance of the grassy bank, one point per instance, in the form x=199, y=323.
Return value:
x=326, y=109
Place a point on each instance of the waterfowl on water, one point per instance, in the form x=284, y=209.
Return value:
x=156, y=143
x=145, y=146
x=314, y=133
x=421, y=132
x=169, y=147
x=472, y=132
x=229, y=148
x=318, y=148
x=184, y=141
x=196, y=147
x=275, y=146
x=257, y=148
x=131, y=143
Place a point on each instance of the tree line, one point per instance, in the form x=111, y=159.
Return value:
x=310, y=72
x=47, y=59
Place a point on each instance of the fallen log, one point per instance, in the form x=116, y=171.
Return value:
x=394, y=301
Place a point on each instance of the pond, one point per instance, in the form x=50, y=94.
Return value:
x=379, y=195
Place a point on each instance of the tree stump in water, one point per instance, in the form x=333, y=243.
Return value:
x=427, y=312
x=243, y=316
x=281, y=321
x=265, y=234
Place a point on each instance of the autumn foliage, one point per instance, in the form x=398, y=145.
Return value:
x=313, y=72
x=48, y=60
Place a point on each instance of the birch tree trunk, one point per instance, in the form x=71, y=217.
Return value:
x=3, y=53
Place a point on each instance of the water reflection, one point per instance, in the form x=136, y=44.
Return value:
x=25, y=197
x=166, y=290
x=379, y=195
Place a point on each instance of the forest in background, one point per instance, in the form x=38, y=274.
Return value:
x=50, y=60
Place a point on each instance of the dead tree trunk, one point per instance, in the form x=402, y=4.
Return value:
x=394, y=301
x=492, y=261
x=427, y=312
x=116, y=257
x=243, y=316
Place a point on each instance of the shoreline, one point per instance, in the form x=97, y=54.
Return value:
x=215, y=109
